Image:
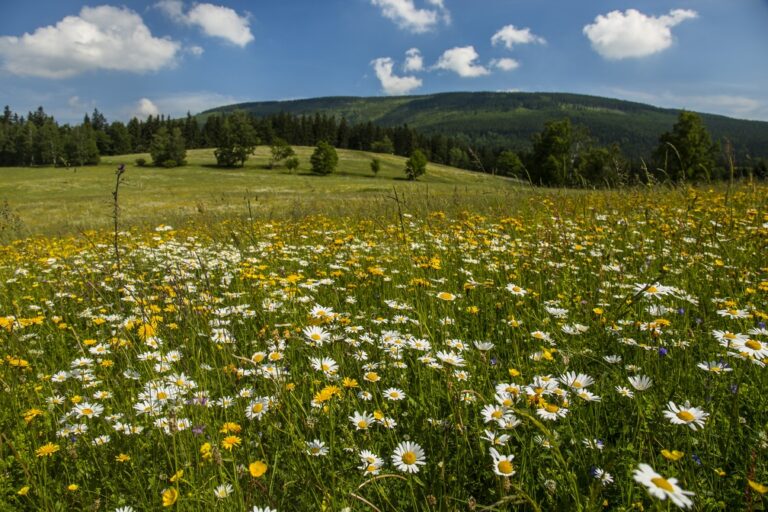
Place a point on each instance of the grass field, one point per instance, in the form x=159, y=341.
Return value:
x=483, y=346
x=59, y=201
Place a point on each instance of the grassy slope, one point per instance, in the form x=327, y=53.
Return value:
x=54, y=200
x=511, y=118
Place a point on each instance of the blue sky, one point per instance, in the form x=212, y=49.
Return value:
x=171, y=56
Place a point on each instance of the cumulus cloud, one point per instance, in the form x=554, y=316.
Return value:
x=632, y=34
x=213, y=20
x=392, y=84
x=145, y=108
x=510, y=35
x=413, y=60
x=104, y=37
x=461, y=60
x=408, y=17
x=505, y=64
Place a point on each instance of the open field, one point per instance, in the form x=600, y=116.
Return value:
x=57, y=200
x=483, y=346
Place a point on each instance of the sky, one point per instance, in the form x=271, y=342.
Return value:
x=136, y=58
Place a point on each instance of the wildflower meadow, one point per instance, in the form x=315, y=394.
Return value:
x=576, y=351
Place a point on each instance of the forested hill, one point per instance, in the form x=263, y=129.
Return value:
x=509, y=119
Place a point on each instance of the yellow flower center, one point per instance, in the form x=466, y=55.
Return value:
x=87, y=411
x=505, y=467
x=662, y=483
x=754, y=345
x=685, y=416
x=577, y=384
x=257, y=407
x=315, y=336
x=551, y=408
x=497, y=415
x=162, y=395
x=409, y=457
x=362, y=424
x=652, y=289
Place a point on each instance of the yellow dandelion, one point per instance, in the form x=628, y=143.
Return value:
x=176, y=476
x=672, y=455
x=762, y=489
x=170, y=496
x=256, y=469
x=230, y=442
x=47, y=450
x=123, y=457
x=23, y=491
x=73, y=487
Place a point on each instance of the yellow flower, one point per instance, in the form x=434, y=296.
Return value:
x=23, y=491
x=123, y=457
x=31, y=414
x=672, y=455
x=446, y=296
x=73, y=487
x=177, y=475
x=230, y=442
x=230, y=427
x=514, y=373
x=349, y=383
x=206, y=451
x=47, y=450
x=257, y=468
x=598, y=311
x=170, y=496
x=762, y=489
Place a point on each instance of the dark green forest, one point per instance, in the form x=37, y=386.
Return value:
x=509, y=120
x=546, y=139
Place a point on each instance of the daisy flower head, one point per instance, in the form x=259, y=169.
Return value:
x=515, y=290
x=362, y=421
x=662, y=488
x=551, y=412
x=502, y=464
x=319, y=312
x=370, y=463
x=576, y=381
x=640, y=382
x=316, y=335
x=394, y=394
x=317, y=448
x=223, y=491
x=408, y=457
x=686, y=415
x=88, y=410
x=605, y=477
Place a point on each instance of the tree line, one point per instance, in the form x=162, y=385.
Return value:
x=562, y=154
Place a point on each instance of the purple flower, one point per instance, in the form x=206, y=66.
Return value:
x=198, y=430
x=663, y=352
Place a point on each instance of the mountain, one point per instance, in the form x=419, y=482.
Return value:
x=510, y=119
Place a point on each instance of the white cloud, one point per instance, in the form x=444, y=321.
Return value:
x=505, y=64
x=104, y=37
x=461, y=60
x=390, y=83
x=213, y=20
x=179, y=103
x=174, y=9
x=510, y=35
x=413, y=60
x=195, y=50
x=409, y=17
x=732, y=105
x=145, y=108
x=223, y=22
x=632, y=34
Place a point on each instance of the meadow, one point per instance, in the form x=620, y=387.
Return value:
x=368, y=344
